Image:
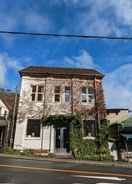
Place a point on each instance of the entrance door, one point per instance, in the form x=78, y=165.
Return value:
x=62, y=140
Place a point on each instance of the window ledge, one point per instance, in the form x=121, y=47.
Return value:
x=32, y=138
x=89, y=138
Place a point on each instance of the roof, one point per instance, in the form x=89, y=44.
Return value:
x=8, y=99
x=116, y=110
x=67, y=72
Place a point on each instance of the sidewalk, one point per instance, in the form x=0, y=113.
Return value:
x=98, y=163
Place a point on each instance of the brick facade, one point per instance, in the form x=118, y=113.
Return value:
x=30, y=109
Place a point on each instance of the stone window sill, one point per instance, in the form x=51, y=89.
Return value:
x=32, y=138
x=89, y=138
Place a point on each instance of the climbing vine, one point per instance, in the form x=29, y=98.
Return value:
x=80, y=148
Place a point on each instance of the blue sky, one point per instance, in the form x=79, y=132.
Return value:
x=98, y=17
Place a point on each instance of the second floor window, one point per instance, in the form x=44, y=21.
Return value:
x=87, y=94
x=67, y=94
x=37, y=92
x=57, y=94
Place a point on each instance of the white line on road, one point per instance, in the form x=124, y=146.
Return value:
x=100, y=177
x=77, y=183
x=106, y=183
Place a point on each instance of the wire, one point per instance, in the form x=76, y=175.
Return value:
x=65, y=35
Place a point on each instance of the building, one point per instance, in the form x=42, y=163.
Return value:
x=56, y=91
x=121, y=132
x=117, y=115
x=7, y=102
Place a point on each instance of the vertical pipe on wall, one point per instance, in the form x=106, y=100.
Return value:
x=72, y=108
x=96, y=108
x=43, y=113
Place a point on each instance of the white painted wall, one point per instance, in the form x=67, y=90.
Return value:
x=3, y=109
x=118, y=118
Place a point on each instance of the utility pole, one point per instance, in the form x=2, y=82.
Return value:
x=13, y=118
x=44, y=113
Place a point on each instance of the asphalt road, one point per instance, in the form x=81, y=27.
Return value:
x=20, y=171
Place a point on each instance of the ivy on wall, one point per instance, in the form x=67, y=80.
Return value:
x=82, y=149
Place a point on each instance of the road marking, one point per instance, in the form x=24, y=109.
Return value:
x=101, y=177
x=106, y=183
x=67, y=171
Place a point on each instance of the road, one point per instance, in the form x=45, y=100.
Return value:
x=20, y=171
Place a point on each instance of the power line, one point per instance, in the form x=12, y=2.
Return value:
x=66, y=35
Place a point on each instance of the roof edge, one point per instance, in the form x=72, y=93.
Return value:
x=25, y=72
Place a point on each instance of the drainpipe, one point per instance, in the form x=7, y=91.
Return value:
x=44, y=113
x=72, y=109
x=96, y=108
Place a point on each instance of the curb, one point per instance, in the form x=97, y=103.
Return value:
x=97, y=163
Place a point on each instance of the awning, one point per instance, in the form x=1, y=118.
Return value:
x=3, y=123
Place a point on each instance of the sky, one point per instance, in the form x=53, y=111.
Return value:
x=98, y=17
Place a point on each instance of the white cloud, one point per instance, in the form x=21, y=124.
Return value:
x=117, y=84
x=100, y=17
x=118, y=87
x=2, y=74
x=6, y=63
x=84, y=60
x=26, y=21
x=37, y=22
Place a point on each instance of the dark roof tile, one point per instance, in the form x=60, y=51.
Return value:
x=40, y=71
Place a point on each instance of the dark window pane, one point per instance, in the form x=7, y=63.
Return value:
x=33, y=89
x=5, y=113
x=67, y=89
x=91, y=90
x=33, y=128
x=84, y=90
x=67, y=98
x=0, y=110
x=40, y=97
x=91, y=97
x=33, y=97
x=57, y=98
x=84, y=98
x=67, y=93
x=40, y=89
x=89, y=128
x=57, y=89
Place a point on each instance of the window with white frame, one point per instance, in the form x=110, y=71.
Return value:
x=57, y=91
x=87, y=94
x=67, y=93
x=37, y=93
x=33, y=128
x=89, y=128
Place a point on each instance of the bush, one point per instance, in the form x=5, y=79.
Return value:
x=8, y=150
x=88, y=149
x=27, y=152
